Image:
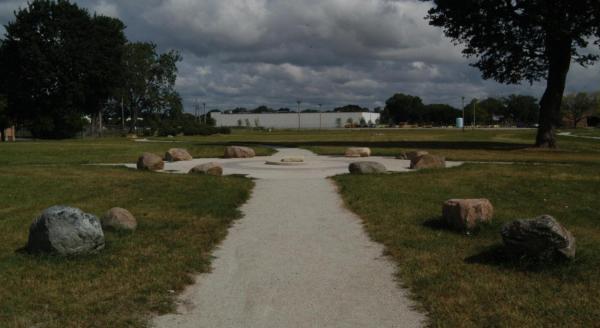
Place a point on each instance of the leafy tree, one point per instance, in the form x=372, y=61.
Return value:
x=403, y=108
x=575, y=107
x=54, y=65
x=521, y=110
x=440, y=114
x=4, y=121
x=521, y=40
x=148, y=81
x=284, y=110
x=350, y=109
x=263, y=109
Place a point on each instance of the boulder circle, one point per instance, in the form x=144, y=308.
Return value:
x=118, y=219
x=239, y=152
x=65, y=231
x=211, y=168
x=467, y=214
x=177, y=155
x=428, y=162
x=150, y=162
x=366, y=168
x=358, y=152
x=543, y=238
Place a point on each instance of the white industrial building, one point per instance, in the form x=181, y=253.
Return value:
x=327, y=120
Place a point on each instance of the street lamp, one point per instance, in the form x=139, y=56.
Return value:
x=320, y=117
x=463, y=113
x=474, y=107
x=204, y=112
x=299, y=102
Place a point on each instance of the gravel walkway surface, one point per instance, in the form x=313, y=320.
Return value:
x=298, y=258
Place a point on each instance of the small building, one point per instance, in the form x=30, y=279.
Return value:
x=8, y=134
x=329, y=120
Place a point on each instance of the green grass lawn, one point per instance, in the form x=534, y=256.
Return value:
x=462, y=281
x=109, y=150
x=513, y=145
x=456, y=278
x=181, y=218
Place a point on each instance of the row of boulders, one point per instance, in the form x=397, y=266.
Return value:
x=153, y=162
x=66, y=230
x=418, y=159
x=542, y=238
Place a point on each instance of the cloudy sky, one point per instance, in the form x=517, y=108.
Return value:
x=335, y=52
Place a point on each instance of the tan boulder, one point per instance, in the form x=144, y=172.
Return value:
x=358, y=152
x=177, y=154
x=151, y=162
x=410, y=155
x=118, y=219
x=467, y=214
x=427, y=162
x=239, y=152
x=211, y=168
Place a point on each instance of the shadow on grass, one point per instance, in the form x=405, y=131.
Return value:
x=499, y=256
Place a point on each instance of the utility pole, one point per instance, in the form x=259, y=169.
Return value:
x=463, y=113
x=122, y=115
x=299, y=102
x=474, y=107
x=204, y=112
x=320, y=117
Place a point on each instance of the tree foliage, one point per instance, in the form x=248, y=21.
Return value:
x=576, y=106
x=524, y=40
x=57, y=62
x=403, y=108
x=350, y=109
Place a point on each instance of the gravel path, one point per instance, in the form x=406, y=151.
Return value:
x=298, y=258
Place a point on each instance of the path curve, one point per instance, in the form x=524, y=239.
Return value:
x=298, y=258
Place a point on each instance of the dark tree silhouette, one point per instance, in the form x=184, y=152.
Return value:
x=524, y=40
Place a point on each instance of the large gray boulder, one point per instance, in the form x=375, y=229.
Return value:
x=542, y=238
x=239, y=152
x=150, y=162
x=65, y=231
x=467, y=214
x=177, y=155
x=366, y=168
x=118, y=219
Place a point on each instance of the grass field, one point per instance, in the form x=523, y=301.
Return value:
x=464, y=281
x=459, y=280
x=471, y=145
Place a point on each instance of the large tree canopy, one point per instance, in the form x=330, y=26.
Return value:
x=524, y=40
x=58, y=62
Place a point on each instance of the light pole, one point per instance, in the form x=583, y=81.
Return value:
x=320, y=117
x=474, y=107
x=299, y=102
x=204, y=112
x=463, y=113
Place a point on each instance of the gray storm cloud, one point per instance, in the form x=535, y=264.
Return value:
x=334, y=52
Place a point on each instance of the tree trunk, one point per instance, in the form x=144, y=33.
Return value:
x=560, y=61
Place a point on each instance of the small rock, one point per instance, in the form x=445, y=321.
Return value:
x=293, y=159
x=358, y=152
x=118, y=219
x=151, y=162
x=366, y=168
x=543, y=238
x=177, y=154
x=239, y=152
x=467, y=214
x=65, y=231
x=410, y=155
x=211, y=168
x=428, y=162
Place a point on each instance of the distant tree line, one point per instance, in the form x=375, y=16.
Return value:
x=59, y=64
